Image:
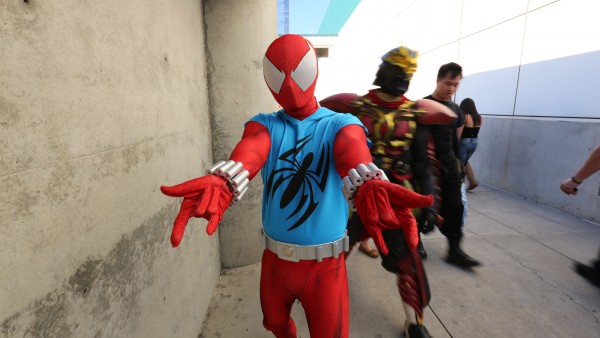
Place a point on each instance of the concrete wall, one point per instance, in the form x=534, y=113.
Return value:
x=101, y=102
x=237, y=36
x=530, y=157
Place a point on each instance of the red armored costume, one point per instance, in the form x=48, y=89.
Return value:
x=311, y=158
x=396, y=129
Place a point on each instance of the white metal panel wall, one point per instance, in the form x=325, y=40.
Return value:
x=442, y=23
x=535, y=4
x=488, y=59
x=424, y=81
x=479, y=15
x=520, y=57
x=411, y=30
x=560, y=67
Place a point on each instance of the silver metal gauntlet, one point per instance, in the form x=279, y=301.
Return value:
x=236, y=176
x=356, y=177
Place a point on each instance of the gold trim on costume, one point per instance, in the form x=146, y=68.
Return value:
x=387, y=119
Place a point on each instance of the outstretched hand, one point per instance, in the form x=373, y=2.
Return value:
x=382, y=205
x=205, y=197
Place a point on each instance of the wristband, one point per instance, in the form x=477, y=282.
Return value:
x=575, y=181
x=236, y=176
x=356, y=177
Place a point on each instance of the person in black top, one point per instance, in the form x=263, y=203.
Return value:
x=445, y=142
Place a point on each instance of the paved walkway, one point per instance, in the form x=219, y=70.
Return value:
x=526, y=287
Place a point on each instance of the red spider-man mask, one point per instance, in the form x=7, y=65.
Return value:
x=290, y=70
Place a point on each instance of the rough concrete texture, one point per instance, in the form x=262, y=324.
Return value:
x=530, y=157
x=237, y=36
x=100, y=104
x=525, y=288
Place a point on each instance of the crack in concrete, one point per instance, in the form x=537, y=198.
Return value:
x=126, y=146
x=594, y=313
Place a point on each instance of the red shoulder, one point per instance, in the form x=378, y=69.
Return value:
x=341, y=103
x=433, y=112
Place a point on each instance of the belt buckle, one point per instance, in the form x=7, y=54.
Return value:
x=288, y=252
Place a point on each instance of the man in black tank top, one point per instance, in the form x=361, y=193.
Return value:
x=445, y=142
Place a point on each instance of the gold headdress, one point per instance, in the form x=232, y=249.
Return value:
x=404, y=58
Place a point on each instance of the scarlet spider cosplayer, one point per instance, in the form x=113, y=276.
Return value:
x=303, y=151
x=398, y=129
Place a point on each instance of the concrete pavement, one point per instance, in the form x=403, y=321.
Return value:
x=525, y=288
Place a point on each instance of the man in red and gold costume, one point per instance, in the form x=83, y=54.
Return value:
x=307, y=156
x=398, y=130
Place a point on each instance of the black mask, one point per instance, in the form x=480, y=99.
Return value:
x=391, y=79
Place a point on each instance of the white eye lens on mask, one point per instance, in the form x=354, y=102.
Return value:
x=273, y=76
x=305, y=74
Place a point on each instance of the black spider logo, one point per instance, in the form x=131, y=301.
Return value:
x=301, y=179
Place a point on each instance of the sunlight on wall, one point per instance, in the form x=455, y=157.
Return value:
x=519, y=57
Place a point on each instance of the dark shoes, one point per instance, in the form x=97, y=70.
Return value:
x=591, y=273
x=459, y=258
x=421, y=250
x=416, y=331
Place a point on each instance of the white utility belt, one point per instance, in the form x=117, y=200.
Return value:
x=296, y=252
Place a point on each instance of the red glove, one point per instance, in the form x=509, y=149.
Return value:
x=402, y=201
x=205, y=197
x=382, y=205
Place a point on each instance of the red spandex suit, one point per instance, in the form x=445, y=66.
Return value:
x=304, y=261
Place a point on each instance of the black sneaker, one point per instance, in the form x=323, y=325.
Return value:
x=592, y=274
x=416, y=331
x=459, y=258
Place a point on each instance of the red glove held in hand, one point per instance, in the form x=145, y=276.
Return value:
x=383, y=205
x=402, y=200
x=205, y=197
